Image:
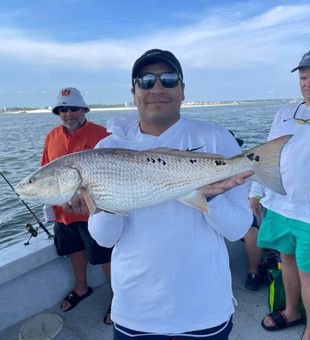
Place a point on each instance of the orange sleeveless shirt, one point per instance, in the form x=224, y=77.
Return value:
x=59, y=143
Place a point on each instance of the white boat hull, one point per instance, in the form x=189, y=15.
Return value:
x=34, y=278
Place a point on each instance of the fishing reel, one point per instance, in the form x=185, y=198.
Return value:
x=29, y=226
x=33, y=232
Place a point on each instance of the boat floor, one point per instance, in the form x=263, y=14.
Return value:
x=84, y=322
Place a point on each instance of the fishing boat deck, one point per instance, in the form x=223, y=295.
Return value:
x=85, y=321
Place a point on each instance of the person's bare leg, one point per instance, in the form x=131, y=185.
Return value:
x=290, y=276
x=305, y=293
x=253, y=252
x=79, y=265
x=107, y=270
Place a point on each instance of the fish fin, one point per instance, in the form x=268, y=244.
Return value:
x=88, y=200
x=184, y=153
x=92, y=206
x=266, y=158
x=195, y=200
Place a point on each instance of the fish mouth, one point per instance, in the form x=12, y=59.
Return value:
x=28, y=197
x=21, y=192
x=24, y=193
x=36, y=199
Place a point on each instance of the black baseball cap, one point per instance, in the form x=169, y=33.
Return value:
x=153, y=56
x=304, y=62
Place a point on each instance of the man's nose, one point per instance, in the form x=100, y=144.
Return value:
x=69, y=112
x=158, y=85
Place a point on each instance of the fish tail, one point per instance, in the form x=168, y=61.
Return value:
x=266, y=160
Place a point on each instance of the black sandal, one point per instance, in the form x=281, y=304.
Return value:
x=279, y=321
x=73, y=298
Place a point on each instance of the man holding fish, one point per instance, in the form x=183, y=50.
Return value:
x=160, y=191
x=170, y=267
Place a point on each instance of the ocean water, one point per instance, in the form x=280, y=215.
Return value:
x=22, y=136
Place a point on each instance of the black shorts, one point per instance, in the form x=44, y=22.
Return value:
x=74, y=237
x=255, y=223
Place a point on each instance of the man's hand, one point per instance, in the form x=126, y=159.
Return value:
x=257, y=209
x=226, y=184
x=77, y=206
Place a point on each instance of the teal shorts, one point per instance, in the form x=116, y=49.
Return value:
x=286, y=235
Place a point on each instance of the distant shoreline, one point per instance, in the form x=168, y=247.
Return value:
x=121, y=108
x=186, y=105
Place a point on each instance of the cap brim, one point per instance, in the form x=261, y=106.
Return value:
x=295, y=69
x=55, y=111
x=300, y=68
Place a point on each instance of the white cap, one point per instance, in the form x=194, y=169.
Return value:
x=69, y=96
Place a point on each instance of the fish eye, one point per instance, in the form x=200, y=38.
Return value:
x=30, y=180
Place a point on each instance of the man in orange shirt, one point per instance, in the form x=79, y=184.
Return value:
x=71, y=231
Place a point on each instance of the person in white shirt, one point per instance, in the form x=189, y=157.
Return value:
x=286, y=222
x=170, y=266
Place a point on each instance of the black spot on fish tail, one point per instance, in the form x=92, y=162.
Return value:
x=193, y=161
x=220, y=162
x=252, y=157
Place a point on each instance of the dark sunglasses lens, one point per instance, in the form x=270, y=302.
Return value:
x=63, y=109
x=146, y=81
x=66, y=108
x=74, y=108
x=169, y=80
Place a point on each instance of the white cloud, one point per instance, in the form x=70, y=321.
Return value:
x=280, y=15
x=216, y=40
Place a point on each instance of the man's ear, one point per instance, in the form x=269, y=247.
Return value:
x=133, y=93
x=183, y=91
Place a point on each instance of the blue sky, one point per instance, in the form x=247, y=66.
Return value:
x=229, y=50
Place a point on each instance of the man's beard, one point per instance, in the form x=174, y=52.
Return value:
x=72, y=124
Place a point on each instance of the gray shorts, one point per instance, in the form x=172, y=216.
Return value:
x=74, y=237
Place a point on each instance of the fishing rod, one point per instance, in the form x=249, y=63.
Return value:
x=26, y=205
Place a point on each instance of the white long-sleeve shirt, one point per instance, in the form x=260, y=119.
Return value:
x=170, y=266
x=294, y=165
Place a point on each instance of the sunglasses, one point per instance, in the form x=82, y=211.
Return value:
x=168, y=80
x=67, y=108
x=300, y=120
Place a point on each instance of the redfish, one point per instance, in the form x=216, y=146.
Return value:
x=119, y=180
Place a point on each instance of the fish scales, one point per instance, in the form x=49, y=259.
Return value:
x=121, y=179
x=153, y=177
